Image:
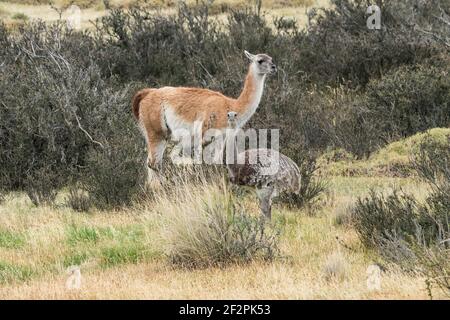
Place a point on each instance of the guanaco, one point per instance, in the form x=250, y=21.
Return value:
x=163, y=112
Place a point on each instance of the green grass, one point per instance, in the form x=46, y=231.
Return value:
x=112, y=245
x=11, y=240
x=124, y=254
x=20, y=16
x=76, y=258
x=11, y=273
x=82, y=234
x=392, y=160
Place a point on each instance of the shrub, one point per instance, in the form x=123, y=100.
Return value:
x=406, y=231
x=409, y=100
x=435, y=265
x=311, y=186
x=340, y=48
x=20, y=16
x=216, y=233
x=112, y=175
x=78, y=200
x=74, y=114
x=42, y=185
x=378, y=217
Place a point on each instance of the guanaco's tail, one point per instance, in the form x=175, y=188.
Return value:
x=137, y=100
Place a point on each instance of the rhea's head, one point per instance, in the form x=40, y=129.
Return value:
x=232, y=119
x=262, y=63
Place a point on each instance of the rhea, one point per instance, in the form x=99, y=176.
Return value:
x=267, y=170
x=170, y=112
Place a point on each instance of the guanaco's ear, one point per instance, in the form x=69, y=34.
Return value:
x=249, y=55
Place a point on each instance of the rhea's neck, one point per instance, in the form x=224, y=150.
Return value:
x=251, y=95
x=231, y=149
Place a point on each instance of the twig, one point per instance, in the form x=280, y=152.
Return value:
x=444, y=41
x=87, y=133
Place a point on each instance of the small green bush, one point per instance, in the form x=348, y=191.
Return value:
x=312, y=187
x=42, y=185
x=112, y=176
x=78, y=200
x=20, y=16
x=217, y=235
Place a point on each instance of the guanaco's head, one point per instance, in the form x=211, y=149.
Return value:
x=262, y=63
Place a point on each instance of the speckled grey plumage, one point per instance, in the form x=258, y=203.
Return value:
x=246, y=171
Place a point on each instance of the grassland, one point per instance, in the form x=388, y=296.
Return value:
x=393, y=160
x=15, y=12
x=121, y=254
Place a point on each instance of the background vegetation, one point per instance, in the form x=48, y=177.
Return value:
x=65, y=95
x=349, y=102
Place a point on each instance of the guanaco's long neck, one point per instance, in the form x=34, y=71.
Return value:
x=251, y=95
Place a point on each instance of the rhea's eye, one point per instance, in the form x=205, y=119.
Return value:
x=260, y=61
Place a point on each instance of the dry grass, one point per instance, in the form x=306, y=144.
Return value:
x=121, y=254
x=157, y=281
x=35, y=10
x=336, y=267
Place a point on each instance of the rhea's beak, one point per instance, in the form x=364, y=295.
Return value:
x=273, y=68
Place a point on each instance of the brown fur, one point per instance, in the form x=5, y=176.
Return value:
x=161, y=110
x=137, y=100
x=190, y=104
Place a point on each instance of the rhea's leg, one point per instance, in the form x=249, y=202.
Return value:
x=265, y=195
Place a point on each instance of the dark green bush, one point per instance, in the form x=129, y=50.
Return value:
x=340, y=48
x=311, y=187
x=409, y=100
x=56, y=109
x=411, y=233
x=77, y=199
x=112, y=176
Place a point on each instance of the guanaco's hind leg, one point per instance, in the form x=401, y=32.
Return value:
x=156, y=147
